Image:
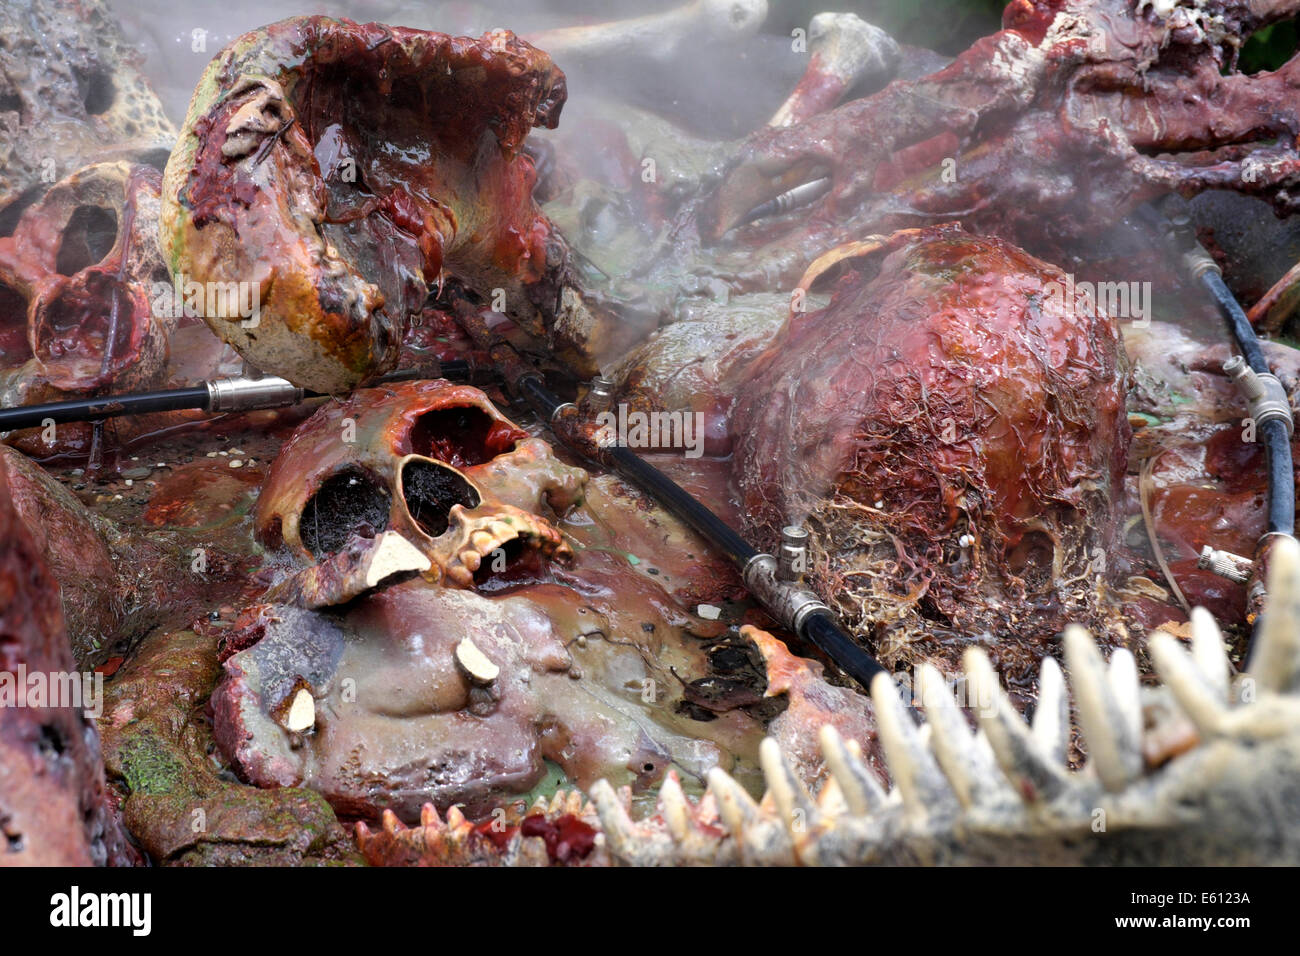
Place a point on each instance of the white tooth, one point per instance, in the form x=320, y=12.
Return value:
x=1126, y=688
x=475, y=663
x=736, y=807
x=393, y=554
x=1027, y=766
x=302, y=712
x=676, y=812
x=1112, y=747
x=792, y=801
x=1200, y=701
x=620, y=831
x=913, y=768
x=830, y=800
x=969, y=768
x=858, y=785
x=1208, y=651
x=1275, y=658
x=1051, y=723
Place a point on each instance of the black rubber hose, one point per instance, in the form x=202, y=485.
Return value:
x=1281, y=478
x=818, y=627
x=106, y=406
x=1238, y=322
x=821, y=629
x=165, y=400
x=681, y=503
x=1273, y=434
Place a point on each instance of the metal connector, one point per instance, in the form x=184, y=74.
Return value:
x=600, y=396
x=1198, y=262
x=1225, y=564
x=792, y=558
x=788, y=602
x=246, y=394
x=801, y=195
x=1266, y=397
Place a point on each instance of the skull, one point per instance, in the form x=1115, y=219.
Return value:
x=76, y=311
x=383, y=690
x=347, y=169
x=953, y=430
x=433, y=461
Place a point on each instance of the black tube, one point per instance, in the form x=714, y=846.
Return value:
x=1273, y=434
x=1238, y=323
x=165, y=400
x=681, y=503
x=1281, y=478
x=658, y=485
x=818, y=627
x=821, y=629
x=106, y=406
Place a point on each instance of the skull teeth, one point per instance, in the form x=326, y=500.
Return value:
x=497, y=533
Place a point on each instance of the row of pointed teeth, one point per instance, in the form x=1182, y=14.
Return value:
x=455, y=826
x=943, y=768
x=496, y=534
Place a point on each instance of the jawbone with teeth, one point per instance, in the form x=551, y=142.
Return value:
x=480, y=536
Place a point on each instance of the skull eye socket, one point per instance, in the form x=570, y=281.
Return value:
x=88, y=237
x=430, y=490
x=463, y=435
x=351, y=502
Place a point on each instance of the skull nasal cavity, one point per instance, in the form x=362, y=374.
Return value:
x=430, y=491
x=349, y=503
x=88, y=237
x=462, y=436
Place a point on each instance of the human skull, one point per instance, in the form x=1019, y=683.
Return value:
x=432, y=460
x=76, y=283
x=952, y=429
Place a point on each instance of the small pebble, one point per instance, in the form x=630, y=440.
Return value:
x=212, y=454
x=966, y=541
x=129, y=482
x=708, y=611
x=236, y=463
